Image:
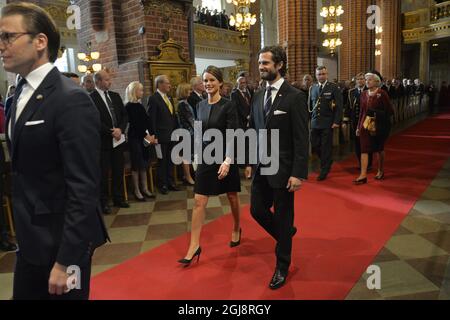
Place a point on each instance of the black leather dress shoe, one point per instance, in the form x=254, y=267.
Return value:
x=278, y=280
x=106, y=209
x=173, y=188
x=7, y=246
x=294, y=231
x=121, y=204
x=322, y=176
x=163, y=190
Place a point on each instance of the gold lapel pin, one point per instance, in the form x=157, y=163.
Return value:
x=39, y=97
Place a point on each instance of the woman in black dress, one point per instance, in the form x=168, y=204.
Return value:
x=217, y=178
x=140, y=126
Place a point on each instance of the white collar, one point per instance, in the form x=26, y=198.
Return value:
x=323, y=84
x=101, y=92
x=277, y=85
x=162, y=94
x=198, y=94
x=35, y=77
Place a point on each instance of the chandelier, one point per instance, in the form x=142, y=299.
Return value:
x=88, y=61
x=332, y=26
x=243, y=19
x=378, y=42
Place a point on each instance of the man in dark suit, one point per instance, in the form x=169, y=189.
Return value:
x=197, y=94
x=87, y=82
x=351, y=114
x=279, y=107
x=242, y=98
x=114, y=120
x=52, y=132
x=164, y=121
x=326, y=107
x=306, y=84
x=246, y=75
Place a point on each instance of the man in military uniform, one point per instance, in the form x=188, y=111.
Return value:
x=352, y=111
x=325, y=103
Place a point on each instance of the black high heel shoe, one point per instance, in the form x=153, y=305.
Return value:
x=360, y=181
x=187, y=262
x=236, y=243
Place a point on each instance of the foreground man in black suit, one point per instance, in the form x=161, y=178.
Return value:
x=53, y=137
x=279, y=107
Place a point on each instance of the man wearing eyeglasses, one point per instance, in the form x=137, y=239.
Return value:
x=53, y=136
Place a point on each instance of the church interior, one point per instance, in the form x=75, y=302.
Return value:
x=388, y=239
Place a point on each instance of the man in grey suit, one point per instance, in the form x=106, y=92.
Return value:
x=326, y=106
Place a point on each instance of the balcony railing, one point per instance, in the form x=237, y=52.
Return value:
x=440, y=11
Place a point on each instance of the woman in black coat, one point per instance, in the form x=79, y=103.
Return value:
x=219, y=177
x=139, y=129
x=186, y=117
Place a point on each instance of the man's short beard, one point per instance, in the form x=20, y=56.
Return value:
x=269, y=76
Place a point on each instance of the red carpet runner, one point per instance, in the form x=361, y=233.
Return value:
x=341, y=229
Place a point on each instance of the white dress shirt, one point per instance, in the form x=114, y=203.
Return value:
x=162, y=94
x=275, y=88
x=102, y=94
x=323, y=84
x=34, y=80
x=198, y=94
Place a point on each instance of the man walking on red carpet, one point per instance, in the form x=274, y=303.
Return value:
x=284, y=108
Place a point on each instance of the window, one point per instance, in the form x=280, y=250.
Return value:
x=67, y=61
x=62, y=63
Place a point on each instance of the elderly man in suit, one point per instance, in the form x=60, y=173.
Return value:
x=284, y=108
x=164, y=121
x=352, y=111
x=326, y=107
x=87, y=82
x=52, y=132
x=242, y=97
x=198, y=93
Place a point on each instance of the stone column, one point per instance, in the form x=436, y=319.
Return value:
x=255, y=42
x=357, y=52
x=297, y=32
x=391, y=38
x=424, y=61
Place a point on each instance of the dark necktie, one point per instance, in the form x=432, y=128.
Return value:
x=268, y=102
x=111, y=109
x=13, y=109
x=320, y=89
